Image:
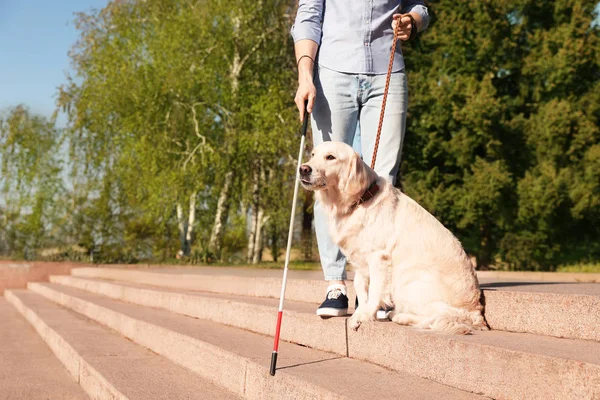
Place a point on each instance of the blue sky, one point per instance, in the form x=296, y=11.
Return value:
x=35, y=36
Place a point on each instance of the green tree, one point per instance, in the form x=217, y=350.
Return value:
x=168, y=103
x=31, y=185
x=503, y=128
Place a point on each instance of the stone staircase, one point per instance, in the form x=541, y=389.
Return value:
x=206, y=333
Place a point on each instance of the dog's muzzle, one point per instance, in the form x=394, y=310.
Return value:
x=305, y=172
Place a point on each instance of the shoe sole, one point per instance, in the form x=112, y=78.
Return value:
x=382, y=315
x=332, y=312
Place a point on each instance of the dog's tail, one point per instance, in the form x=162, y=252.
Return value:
x=456, y=321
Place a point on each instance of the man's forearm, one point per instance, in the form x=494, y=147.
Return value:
x=305, y=64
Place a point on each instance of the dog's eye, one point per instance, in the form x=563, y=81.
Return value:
x=330, y=157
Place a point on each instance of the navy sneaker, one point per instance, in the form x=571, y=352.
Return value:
x=336, y=302
x=382, y=314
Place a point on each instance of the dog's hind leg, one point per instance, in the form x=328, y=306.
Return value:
x=478, y=321
x=447, y=319
x=405, y=318
x=443, y=323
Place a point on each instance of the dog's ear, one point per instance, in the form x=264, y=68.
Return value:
x=357, y=179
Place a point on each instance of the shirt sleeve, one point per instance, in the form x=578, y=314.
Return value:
x=416, y=6
x=308, y=21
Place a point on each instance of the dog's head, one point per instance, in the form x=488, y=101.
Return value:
x=337, y=170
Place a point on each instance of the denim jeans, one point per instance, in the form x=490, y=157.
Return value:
x=345, y=102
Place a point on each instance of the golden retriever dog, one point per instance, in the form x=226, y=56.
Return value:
x=402, y=255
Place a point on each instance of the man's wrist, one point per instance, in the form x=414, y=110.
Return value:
x=305, y=68
x=305, y=76
x=302, y=57
x=414, y=29
x=416, y=20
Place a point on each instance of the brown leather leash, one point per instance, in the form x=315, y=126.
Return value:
x=385, y=92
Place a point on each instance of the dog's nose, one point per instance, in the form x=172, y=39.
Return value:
x=305, y=170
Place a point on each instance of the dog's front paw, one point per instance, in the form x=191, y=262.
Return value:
x=358, y=318
x=354, y=323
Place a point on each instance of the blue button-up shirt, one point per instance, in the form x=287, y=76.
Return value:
x=354, y=36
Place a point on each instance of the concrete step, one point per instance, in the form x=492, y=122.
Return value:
x=28, y=369
x=514, y=306
x=239, y=360
x=275, y=272
x=496, y=364
x=106, y=365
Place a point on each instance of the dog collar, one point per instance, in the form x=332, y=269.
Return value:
x=367, y=195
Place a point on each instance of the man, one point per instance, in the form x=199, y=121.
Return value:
x=353, y=41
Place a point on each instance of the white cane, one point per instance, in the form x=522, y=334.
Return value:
x=289, y=243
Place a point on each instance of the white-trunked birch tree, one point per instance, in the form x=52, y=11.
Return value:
x=168, y=92
x=142, y=96
x=257, y=50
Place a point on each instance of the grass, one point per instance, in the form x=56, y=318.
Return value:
x=315, y=266
x=295, y=265
x=580, y=267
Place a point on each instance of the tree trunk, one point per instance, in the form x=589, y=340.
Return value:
x=235, y=69
x=190, y=225
x=216, y=235
x=254, y=215
x=258, y=241
x=252, y=235
x=275, y=243
x=182, y=227
x=261, y=219
x=214, y=243
x=258, y=218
